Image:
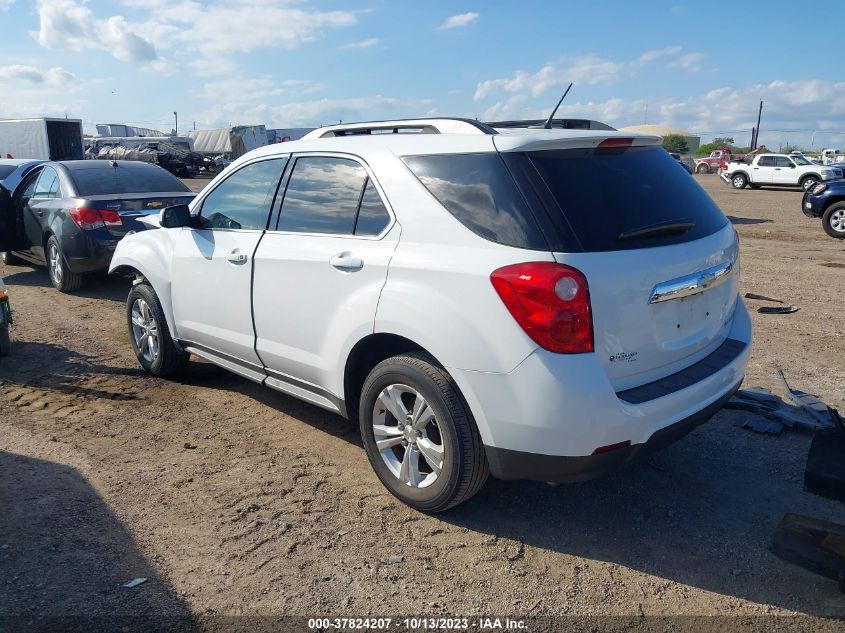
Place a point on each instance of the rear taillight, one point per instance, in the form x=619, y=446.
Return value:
x=551, y=302
x=90, y=219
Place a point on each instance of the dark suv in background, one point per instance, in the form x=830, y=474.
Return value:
x=70, y=215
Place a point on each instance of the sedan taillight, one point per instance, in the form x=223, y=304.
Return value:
x=90, y=219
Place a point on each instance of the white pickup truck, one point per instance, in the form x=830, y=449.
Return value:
x=778, y=169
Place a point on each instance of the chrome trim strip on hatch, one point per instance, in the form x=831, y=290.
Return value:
x=691, y=284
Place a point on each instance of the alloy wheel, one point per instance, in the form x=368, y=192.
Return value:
x=407, y=436
x=55, y=264
x=145, y=330
x=837, y=220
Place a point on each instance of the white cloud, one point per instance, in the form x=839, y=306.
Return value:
x=367, y=43
x=52, y=76
x=650, y=56
x=68, y=24
x=5, y=4
x=690, y=62
x=312, y=113
x=586, y=69
x=457, y=21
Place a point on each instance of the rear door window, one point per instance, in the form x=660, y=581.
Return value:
x=605, y=194
x=372, y=216
x=47, y=184
x=766, y=161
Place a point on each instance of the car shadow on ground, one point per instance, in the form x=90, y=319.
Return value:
x=55, y=368
x=200, y=373
x=736, y=220
x=65, y=557
x=697, y=512
x=95, y=286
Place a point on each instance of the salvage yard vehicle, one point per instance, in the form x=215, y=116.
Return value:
x=713, y=163
x=777, y=169
x=5, y=320
x=542, y=304
x=70, y=215
x=827, y=201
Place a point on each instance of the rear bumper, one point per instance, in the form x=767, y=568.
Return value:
x=85, y=253
x=508, y=464
x=546, y=418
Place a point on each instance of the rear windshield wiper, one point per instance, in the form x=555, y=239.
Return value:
x=671, y=227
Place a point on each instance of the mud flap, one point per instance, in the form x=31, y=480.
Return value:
x=825, y=471
x=814, y=544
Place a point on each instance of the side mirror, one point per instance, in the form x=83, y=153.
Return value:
x=175, y=217
x=792, y=165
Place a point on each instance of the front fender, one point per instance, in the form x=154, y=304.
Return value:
x=149, y=253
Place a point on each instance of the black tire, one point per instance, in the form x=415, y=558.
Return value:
x=62, y=278
x=703, y=168
x=834, y=217
x=464, y=464
x=808, y=182
x=5, y=343
x=739, y=181
x=170, y=358
x=10, y=259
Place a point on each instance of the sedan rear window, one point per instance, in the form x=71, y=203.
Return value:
x=605, y=197
x=116, y=180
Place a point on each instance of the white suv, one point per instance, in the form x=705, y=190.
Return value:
x=533, y=303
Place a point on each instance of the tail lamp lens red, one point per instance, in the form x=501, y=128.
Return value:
x=90, y=219
x=550, y=302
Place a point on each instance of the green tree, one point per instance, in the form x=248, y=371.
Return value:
x=675, y=143
x=720, y=142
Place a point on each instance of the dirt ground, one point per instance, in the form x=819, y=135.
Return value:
x=235, y=500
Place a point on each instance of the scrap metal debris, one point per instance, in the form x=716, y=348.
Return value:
x=751, y=295
x=772, y=414
x=777, y=309
x=134, y=582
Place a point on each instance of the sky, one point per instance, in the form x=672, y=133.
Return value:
x=303, y=63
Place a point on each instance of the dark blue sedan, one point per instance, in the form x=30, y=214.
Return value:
x=826, y=200
x=70, y=215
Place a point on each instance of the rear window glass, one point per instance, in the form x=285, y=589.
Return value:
x=603, y=195
x=479, y=191
x=104, y=181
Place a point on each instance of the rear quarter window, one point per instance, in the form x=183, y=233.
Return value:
x=479, y=191
x=603, y=194
x=117, y=180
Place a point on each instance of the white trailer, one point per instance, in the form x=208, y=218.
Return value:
x=41, y=139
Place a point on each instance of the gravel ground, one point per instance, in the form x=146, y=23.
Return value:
x=234, y=500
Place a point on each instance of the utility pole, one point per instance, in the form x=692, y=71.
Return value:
x=752, y=145
x=176, y=123
x=757, y=135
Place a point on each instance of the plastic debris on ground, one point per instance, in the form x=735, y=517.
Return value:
x=772, y=413
x=134, y=582
x=777, y=309
x=825, y=471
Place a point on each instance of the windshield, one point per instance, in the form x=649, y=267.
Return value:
x=800, y=160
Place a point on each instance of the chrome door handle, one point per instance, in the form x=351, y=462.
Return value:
x=347, y=261
x=236, y=257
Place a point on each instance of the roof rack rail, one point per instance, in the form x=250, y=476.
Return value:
x=560, y=124
x=438, y=125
